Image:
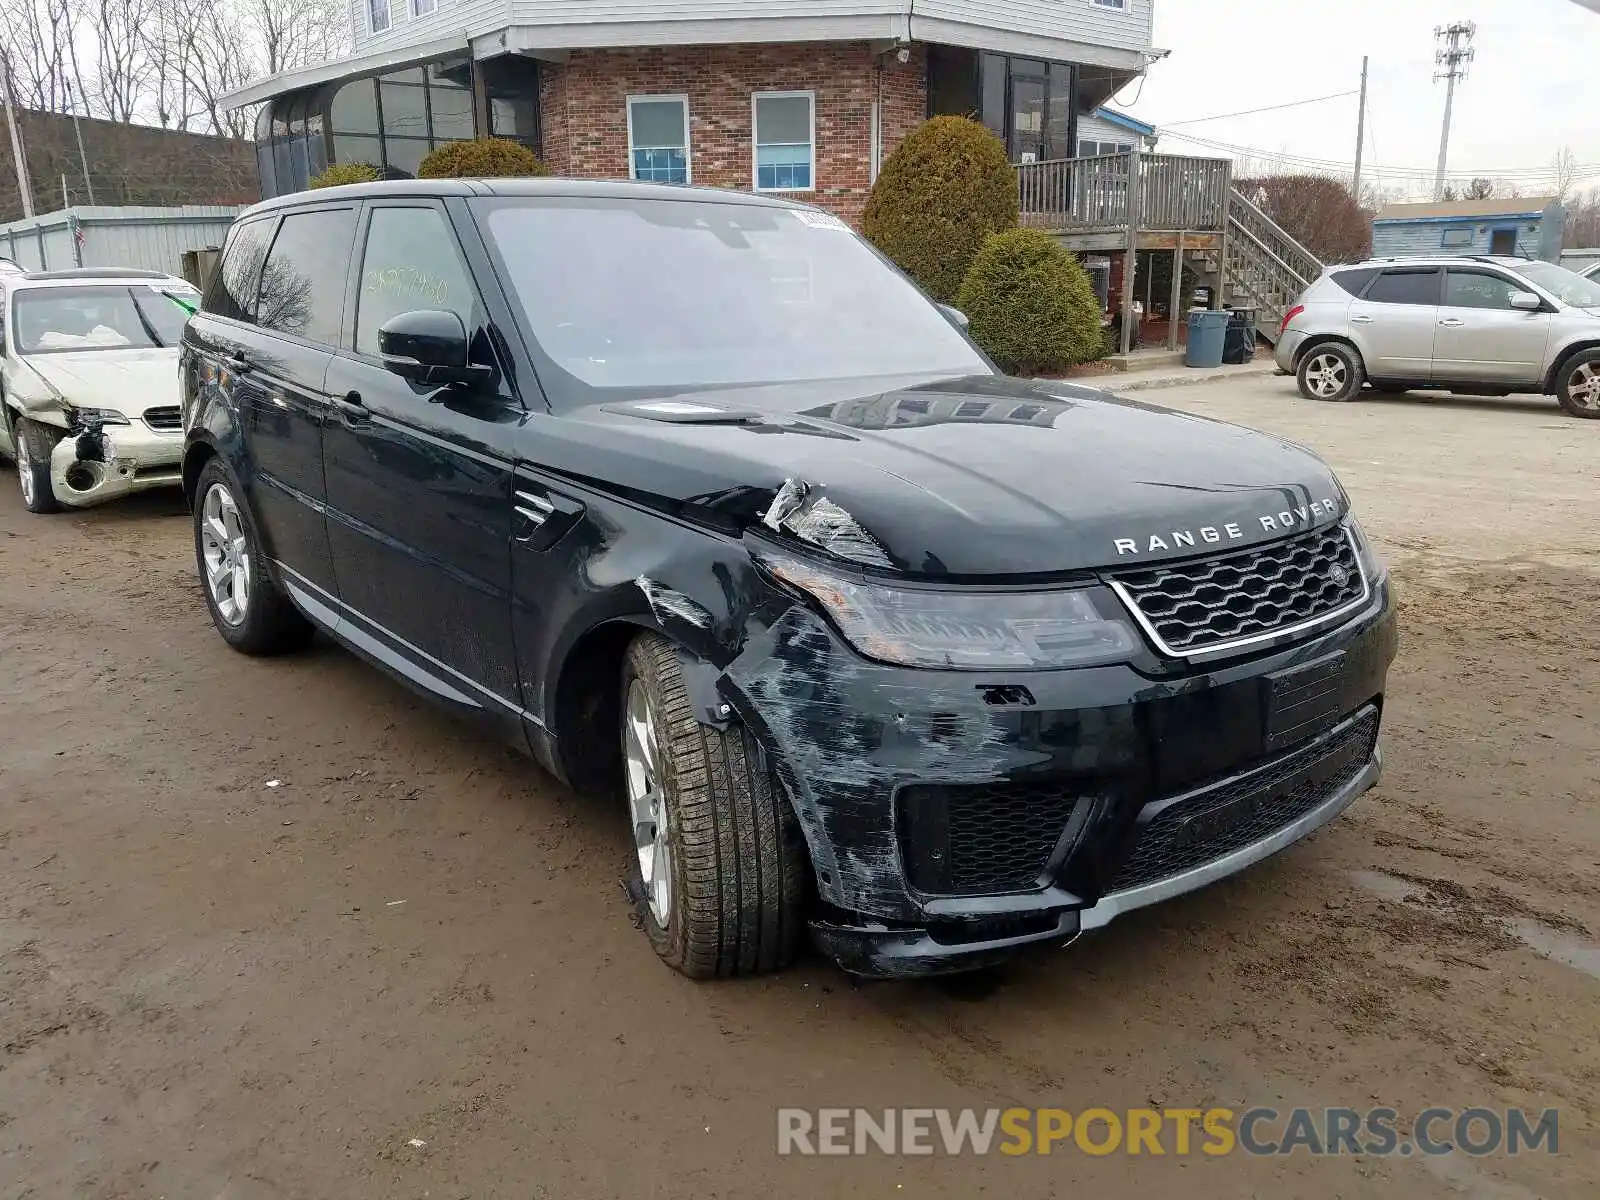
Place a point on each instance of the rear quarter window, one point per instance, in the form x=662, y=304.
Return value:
x=1355, y=281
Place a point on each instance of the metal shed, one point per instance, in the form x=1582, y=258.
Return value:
x=134, y=236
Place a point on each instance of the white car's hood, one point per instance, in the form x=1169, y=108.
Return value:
x=128, y=381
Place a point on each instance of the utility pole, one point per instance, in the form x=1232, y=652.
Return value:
x=18, y=152
x=1453, y=62
x=83, y=159
x=1361, y=129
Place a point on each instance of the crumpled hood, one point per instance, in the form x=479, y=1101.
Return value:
x=128, y=381
x=982, y=476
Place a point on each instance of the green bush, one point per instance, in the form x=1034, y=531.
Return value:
x=340, y=174
x=1031, y=304
x=485, y=158
x=945, y=188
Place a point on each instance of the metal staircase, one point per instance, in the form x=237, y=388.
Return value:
x=1266, y=269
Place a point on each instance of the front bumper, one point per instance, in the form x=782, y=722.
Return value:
x=92, y=466
x=901, y=778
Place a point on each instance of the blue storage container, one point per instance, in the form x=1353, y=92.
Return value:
x=1208, y=335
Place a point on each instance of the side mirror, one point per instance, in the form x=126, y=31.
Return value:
x=1526, y=302
x=429, y=347
x=956, y=317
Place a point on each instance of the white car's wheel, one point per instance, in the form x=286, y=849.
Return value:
x=35, y=443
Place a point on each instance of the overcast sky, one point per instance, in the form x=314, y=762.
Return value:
x=1534, y=88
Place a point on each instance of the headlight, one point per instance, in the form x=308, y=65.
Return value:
x=95, y=416
x=962, y=630
x=1371, y=561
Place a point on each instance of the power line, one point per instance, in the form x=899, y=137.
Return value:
x=1250, y=112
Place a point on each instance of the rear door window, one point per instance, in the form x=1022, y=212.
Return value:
x=1405, y=287
x=303, y=278
x=232, y=292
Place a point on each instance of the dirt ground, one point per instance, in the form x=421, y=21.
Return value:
x=267, y=926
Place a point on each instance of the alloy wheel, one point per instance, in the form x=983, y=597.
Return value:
x=226, y=552
x=1583, y=386
x=1326, y=376
x=646, y=802
x=24, y=458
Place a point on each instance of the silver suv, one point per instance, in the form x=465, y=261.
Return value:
x=1480, y=326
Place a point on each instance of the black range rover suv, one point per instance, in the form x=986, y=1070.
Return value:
x=698, y=499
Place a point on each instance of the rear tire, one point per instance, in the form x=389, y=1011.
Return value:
x=720, y=863
x=1578, y=385
x=35, y=443
x=1332, y=372
x=250, y=611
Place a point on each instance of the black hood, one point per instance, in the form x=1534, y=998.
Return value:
x=983, y=476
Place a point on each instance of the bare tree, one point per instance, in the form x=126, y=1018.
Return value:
x=38, y=36
x=1480, y=189
x=1564, y=169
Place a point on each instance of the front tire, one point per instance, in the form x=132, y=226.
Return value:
x=1578, y=385
x=250, y=611
x=1332, y=372
x=720, y=864
x=34, y=444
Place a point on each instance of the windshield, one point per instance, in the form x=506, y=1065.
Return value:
x=56, y=320
x=1564, y=285
x=671, y=295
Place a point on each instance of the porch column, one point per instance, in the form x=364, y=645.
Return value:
x=1130, y=263
x=1174, y=311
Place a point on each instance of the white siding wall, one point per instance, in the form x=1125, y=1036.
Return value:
x=450, y=16
x=1068, y=20
x=1093, y=129
x=152, y=239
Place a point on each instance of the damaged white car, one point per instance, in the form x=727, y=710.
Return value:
x=90, y=383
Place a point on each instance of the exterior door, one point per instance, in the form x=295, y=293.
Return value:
x=1503, y=241
x=419, y=481
x=1393, y=323
x=283, y=359
x=1481, y=338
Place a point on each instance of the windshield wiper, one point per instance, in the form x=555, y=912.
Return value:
x=149, y=328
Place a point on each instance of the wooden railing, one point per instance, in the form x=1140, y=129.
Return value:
x=1174, y=192
x=1267, y=270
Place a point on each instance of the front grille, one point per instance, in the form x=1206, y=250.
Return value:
x=1208, y=605
x=979, y=839
x=1254, y=806
x=168, y=418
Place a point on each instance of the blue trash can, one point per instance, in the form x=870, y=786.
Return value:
x=1208, y=335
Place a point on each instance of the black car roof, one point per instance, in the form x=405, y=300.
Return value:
x=614, y=189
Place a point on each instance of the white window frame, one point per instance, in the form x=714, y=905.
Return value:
x=423, y=8
x=755, y=139
x=688, y=133
x=372, y=17
x=1115, y=5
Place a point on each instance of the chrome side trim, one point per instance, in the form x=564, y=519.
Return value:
x=1218, y=649
x=534, y=508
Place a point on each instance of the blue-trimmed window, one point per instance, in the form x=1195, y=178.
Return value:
x=658, y=139
x=785, y=141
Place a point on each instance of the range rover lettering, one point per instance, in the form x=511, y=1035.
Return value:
x=700, y=501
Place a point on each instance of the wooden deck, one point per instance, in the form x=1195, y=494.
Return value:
x=1099, y=203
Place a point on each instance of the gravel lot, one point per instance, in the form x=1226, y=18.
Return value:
x=215, y=987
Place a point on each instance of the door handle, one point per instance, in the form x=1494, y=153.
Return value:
x=351, y=409
x=238, y=363
x=1451, y=323
x=1361, y=320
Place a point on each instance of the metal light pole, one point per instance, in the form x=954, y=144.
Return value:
x=1361, y=128
x=1454, y=59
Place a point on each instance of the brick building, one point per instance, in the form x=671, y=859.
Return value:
x=800, y=97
